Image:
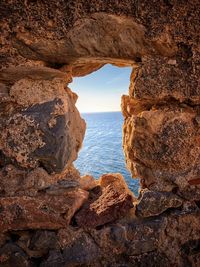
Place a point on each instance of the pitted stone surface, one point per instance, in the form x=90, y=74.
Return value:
x=40, y=212
x=107, y=202
x=44, y=44
x=162, y=147
x=46, y=129
x=152, y=203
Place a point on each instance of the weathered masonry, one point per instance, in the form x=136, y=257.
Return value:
x=49, y=215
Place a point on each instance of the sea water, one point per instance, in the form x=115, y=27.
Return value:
x=102, y=147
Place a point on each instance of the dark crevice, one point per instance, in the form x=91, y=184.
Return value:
x=175, y=190
x=171, y=210
x=73, y=222
x=14, y=237
x=198, y=203
x=36, y=261
x=191, y=247
x=184, y=56
x=3, y=160
x=168, y=3
x=55, y=65
x=171, y=101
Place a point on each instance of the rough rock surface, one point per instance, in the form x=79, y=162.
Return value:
x=153, y=203
x=107, y=202
x=87, y=182
x=40, y=212
x=162, y=148
x=16, y=182
x=46, y=129
x=46, y=217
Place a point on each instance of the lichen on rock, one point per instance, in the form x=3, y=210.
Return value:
x=49, y=215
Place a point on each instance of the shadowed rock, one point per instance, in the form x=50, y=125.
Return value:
x=12, y=255
x=152, y=203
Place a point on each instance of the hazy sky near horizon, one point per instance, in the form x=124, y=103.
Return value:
x=101, y=91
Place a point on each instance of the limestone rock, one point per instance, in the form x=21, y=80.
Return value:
x=107, y=202
x=85, y=41
x=62, y=187
x=3, y=239
x=41, y=212
x=152, y=203
x=144, y=235
x=4, y=92
x=36, y=243
x=85, y=69
x=66, y=236
x=132, y=238
x=48, y=129
x=14, y=74
x=42, y=132
x=123, y=243
x=78, y=248
x=87, y=182
x=58, y=18
x=165, y=80
x=27, y=92
x=18, y=182
x=54, y=259
x=14, y=181
x=159, y=147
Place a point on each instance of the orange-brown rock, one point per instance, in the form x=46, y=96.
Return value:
x=14, y=74
x=161, y=147
x=107, y=202
x=3, y=239
x=41, y=212
x=43, y=44
x=85, y=69
x=167, y=80
x=87, y=182
x=46, y=129
x=85, y=40
x=18, y=182
x=152, y=203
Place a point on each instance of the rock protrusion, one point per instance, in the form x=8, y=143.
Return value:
x=107, y=202
x=45, y=129
x=40, y=212
x=153, y=203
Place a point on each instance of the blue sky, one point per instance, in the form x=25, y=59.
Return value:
x=101, y=91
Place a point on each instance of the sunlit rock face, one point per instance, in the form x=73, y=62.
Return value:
x=49, y=215
x=108, y=201
x=162, y=148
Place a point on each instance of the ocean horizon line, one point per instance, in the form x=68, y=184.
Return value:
x=94, y=112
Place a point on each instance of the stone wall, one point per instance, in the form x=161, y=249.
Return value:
x=49, y=215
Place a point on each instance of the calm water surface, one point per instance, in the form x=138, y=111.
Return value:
x=102, y=148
